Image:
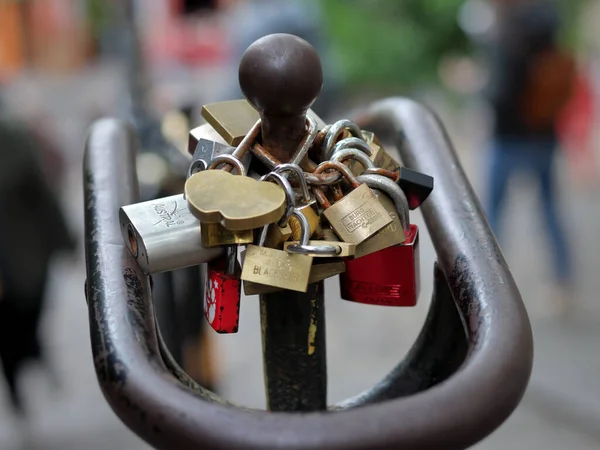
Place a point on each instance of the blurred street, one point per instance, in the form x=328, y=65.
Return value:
x=561, y=409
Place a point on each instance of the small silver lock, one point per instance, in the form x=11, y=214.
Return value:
x=163, y=235
x=207, y=150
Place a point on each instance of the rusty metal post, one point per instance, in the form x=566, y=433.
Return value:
x=294, y=352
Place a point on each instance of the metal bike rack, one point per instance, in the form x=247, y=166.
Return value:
x=463, y=377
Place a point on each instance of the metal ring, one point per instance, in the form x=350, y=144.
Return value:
x=307, y=141
x=295, y=169
x=247, y=141
x=352, y=142
x=352, y=153
x=339, y=167
x=228, y=159
x=303, y=248
x=326, y=179
x=333, y=133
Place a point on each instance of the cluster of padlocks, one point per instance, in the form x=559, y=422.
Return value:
x=340, y=206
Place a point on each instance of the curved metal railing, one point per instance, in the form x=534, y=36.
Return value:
x=463, y=377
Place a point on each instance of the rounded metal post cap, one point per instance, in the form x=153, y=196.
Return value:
x=281, y=75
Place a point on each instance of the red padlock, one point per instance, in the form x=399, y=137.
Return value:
x=391, y=276
x=223, y=292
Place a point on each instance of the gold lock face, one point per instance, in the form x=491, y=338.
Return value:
x=313, y=222
x=214, y=234
x=357, y=216
x=391, y=234
x=346, y=249
x=232, y=119
x=276, y=268
x=236, y=202
x=318, y=272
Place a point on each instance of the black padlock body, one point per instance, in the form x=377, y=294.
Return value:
x=416, y=186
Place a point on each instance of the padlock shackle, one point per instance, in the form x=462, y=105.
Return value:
x=355, y=154
x=351, y=142
x=332, y=134
x=393, y=191
x=289, y=194
x=463, y=377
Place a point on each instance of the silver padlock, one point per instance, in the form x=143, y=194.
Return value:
x=163, y=235
x=207, y=150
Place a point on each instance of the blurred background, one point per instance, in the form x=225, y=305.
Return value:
x=65, y=63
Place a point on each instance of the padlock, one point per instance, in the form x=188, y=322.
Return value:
x=274, y=267
x=416, y=185
x=280, y=232
x=233, y=119
x=313, y=222
x=388, y=277
x=304, y=205
x=358, y=215
x=394, y=201
x=222, y=292
x=236, y=202
x=162, y=235
x=204, y=131
x=206, y=151
x=318, y=272
x=278, y=268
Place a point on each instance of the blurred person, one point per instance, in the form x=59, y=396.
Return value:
x=32, y=230
x=531, y=80
x=250, y=20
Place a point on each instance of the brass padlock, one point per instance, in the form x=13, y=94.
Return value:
x=216, y=196
x=313, y=222
x=319, y=271
x=306, y=203
x=358, y=215
x=397, y=206
x=206, y=151
x=280, y=232
x=276, y=268
x=233, y=119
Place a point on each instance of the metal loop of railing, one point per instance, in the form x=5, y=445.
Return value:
x=464, y=376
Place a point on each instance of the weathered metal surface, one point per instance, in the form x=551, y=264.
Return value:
x=294, y=352
x=449, y=393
